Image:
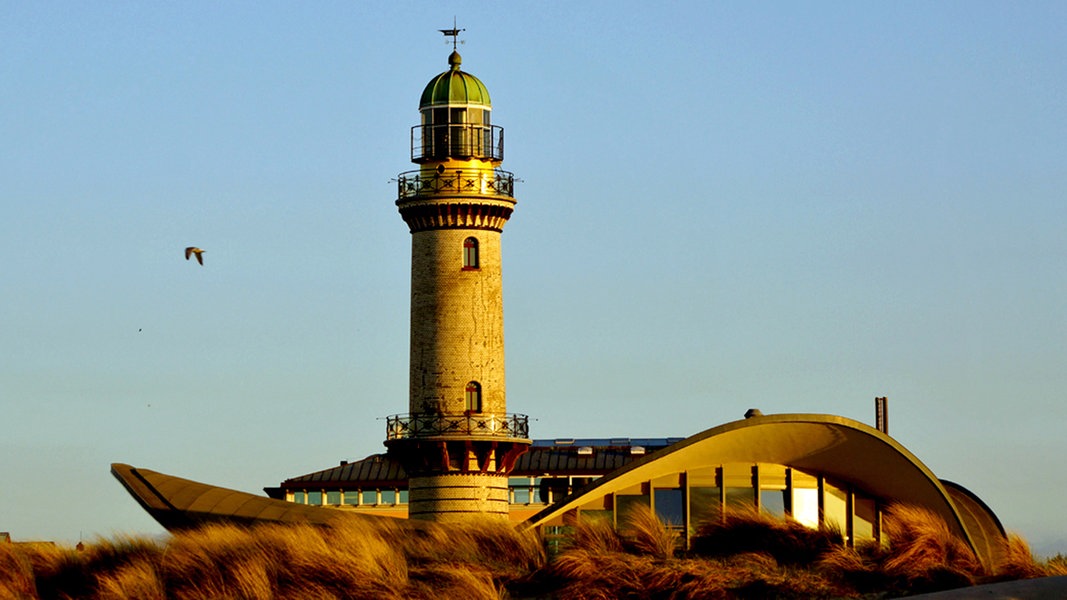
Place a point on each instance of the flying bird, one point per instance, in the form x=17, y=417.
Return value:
x=191, y=250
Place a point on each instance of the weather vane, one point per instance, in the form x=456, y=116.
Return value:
x=452, y=32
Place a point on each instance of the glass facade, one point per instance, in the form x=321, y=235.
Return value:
x=738, y=483
x=804, y=498
x=685, y=501
x=866, y=526
x=705, y=497
x=834, y=507
x=773, y=496
x=670, y=506
x=524, y=490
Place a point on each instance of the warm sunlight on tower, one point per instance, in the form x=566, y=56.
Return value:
x=457, y=443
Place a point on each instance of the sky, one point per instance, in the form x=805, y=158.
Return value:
x=790, y=206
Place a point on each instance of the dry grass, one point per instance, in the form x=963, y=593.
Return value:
x=1055, y=566
x=646, y=534
x=597, y=536
x=746, y=555
x=16, y=574
x=925, y=556
x=354, y=558
x=787, y=541
x=1019, y=562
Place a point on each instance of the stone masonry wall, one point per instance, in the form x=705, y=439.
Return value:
x=457, y=322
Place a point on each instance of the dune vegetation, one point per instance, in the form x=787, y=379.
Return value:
x=746, y=555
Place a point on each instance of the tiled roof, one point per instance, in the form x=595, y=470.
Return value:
x=552, y=458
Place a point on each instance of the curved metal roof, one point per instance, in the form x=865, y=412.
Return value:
x=178, y=503
x=454, y=87
x=834, y=446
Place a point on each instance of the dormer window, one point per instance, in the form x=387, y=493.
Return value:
x=470, y=253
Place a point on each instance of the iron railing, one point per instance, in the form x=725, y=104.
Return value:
x=475, y=424
x=481, y=182
x=450, y=140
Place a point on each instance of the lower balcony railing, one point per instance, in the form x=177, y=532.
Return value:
x=480, y=182
x=473, y=424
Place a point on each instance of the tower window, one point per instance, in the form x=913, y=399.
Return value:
x=474, y=397
x=470, y=253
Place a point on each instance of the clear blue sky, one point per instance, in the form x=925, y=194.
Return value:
x=791, y=206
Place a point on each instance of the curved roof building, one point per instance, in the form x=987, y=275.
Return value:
x=815, y=469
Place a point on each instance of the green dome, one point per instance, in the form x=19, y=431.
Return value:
x=454, y=87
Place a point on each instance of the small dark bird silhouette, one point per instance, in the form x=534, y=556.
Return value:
x=191, y=250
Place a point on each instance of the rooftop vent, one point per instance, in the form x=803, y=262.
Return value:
x=753, y=412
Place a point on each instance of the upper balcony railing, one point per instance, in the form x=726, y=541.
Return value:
x=481, y=182
x=453, y=140
x=473, y=424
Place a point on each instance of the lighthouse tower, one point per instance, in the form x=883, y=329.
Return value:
x=457, y=442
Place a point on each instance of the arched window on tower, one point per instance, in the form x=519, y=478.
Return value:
x=474, y=397
x=470, y=253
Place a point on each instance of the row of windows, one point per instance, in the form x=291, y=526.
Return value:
x=446, y=116
x=387, y=497
x=473, y=394
x=521, y=490
x=686, y=500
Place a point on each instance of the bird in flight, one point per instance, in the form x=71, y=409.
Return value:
x=191, y=250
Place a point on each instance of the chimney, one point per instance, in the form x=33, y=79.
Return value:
x=881, y=414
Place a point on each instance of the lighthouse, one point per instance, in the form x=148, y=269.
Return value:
x=457, y=442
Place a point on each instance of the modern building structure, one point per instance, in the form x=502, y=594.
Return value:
x=458, y=453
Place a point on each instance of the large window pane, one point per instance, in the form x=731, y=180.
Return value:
x=864, y=517
x=588, y=516
x=670, y=507
x=804, y=498
x=772, y=496
x=740, y=493
x=834, y=508
x=521, y=488
x=705, y=504
x=625, y=504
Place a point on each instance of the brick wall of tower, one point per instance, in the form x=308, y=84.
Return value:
x=457, y=322
x=456, y=496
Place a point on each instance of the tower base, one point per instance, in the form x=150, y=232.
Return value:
x=458, y=496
